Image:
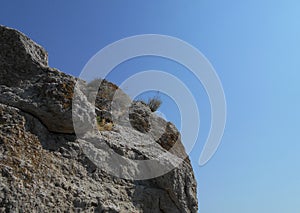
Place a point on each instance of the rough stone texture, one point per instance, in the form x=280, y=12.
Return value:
x=28, y=84
x=43, y=167
x=165, y=133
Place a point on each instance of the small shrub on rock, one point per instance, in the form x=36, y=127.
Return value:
x=154, y=103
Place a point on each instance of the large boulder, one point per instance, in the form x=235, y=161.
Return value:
x=26, y=82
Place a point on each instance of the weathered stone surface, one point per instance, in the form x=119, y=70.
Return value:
x=163, y=132
x=28, y=84
x=43, y=165
x=140, y=116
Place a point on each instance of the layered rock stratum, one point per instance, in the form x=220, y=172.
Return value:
x=43, y=165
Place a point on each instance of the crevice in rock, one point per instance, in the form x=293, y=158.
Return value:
x=172, y=199
x=159, y=206
x=37, y=118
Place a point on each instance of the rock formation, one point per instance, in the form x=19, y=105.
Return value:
x=44, y=168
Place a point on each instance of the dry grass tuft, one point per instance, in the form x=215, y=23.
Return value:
x=154, y=103
x=104, y=125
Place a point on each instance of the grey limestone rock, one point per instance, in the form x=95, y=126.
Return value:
x=44, y=166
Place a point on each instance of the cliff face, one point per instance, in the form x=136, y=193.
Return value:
x=43, y=165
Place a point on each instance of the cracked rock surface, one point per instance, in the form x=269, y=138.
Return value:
x=44, y=166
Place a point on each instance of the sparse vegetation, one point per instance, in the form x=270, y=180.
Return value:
x=104, y=125
x=154, y=103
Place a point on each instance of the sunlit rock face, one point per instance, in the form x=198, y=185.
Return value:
x=43, y=166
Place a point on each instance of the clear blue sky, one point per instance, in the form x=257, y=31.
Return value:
x=255, y=49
